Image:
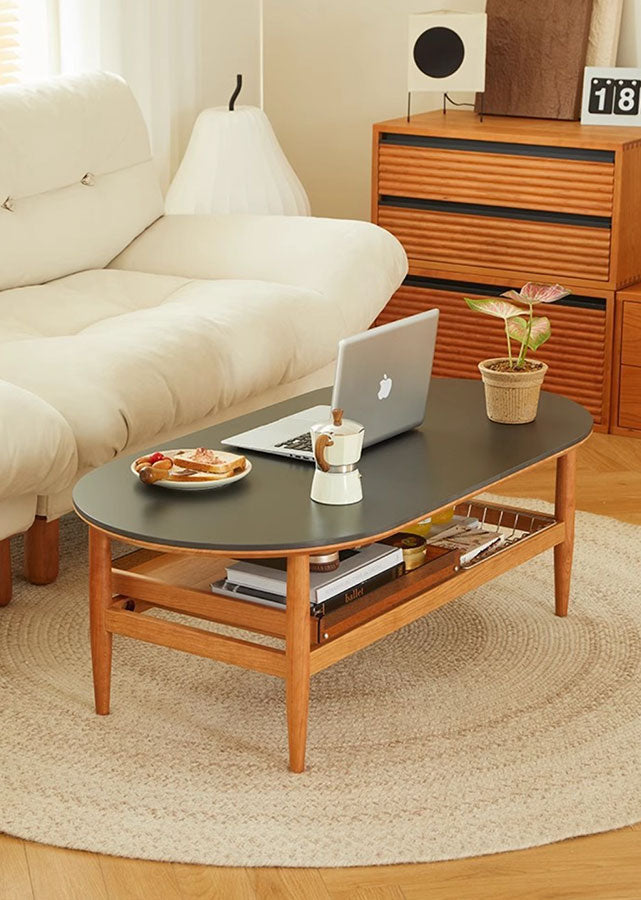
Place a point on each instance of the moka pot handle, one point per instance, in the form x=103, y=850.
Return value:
x=322, y=441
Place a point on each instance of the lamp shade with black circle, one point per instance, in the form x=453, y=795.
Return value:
x=447, y=51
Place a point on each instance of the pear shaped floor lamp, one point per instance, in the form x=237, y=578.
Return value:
x=234, y=164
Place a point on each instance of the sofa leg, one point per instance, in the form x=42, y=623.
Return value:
x=5, y=571
x=41, y=551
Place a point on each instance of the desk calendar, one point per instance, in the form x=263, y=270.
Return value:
x=611, y=96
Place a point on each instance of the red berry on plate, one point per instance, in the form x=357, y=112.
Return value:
x=156, y=457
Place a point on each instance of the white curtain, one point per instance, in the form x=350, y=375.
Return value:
x=178, y=56
x=156, y=46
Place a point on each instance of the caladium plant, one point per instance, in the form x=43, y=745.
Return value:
x=529, y=331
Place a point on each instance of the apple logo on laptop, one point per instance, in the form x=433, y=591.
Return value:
x=385, y=387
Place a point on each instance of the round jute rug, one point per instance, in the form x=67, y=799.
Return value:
x=489, y=725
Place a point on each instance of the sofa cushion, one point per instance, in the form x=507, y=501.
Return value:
x=356, y=265
x=77, y=182
x=129, y=356
x=38, y=447
x=68, y=305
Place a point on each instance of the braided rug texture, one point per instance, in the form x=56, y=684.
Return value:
x=488, y=725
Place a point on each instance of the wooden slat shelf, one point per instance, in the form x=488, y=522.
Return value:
x=180, y=583
x=200, y=601
x=423, y=602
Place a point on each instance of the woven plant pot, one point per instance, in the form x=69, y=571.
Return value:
x=511, y=398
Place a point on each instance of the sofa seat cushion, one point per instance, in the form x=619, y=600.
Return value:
x=126, y=356
x=356, y=265
x=38, y=446
x=69, y=305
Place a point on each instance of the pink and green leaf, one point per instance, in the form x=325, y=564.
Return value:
x=540, y=333
x=533, y=292
x=493, y=306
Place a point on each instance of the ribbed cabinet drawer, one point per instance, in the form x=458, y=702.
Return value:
x=576, y=353
x=446, y=233
x=630, y=397
x=529, y=182
x=631, y=334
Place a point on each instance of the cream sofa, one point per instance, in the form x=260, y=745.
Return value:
x=38, y=454
x=136, y=326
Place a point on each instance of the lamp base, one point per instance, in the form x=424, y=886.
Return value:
x=447, y=99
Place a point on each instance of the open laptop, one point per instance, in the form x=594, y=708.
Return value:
x=382, y=379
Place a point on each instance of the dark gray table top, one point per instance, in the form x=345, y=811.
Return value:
x=457, y=451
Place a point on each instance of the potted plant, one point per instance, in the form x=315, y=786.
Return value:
x=513, y=383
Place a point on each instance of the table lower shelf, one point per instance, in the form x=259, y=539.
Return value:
x=144, y=580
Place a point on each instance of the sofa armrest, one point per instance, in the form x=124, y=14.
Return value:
x=354, y=264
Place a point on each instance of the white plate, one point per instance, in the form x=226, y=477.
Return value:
x=198, y=485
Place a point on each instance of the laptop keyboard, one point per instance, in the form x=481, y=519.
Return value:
x=300, y=442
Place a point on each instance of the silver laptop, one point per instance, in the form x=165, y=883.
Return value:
x=382, y=379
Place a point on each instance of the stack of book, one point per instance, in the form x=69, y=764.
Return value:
x=360, y=571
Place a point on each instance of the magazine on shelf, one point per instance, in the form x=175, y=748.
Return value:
x=224, y=586
x=355, y=567
x=470, y=541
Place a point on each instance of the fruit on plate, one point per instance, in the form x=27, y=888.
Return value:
x=196, y=465
x=156, y=461
x=151, y=474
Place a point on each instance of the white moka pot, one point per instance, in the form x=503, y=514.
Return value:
x=337, y=450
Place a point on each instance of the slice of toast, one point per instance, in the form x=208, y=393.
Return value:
x=203, y=460
x=199, y=476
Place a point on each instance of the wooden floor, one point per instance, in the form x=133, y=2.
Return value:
x=598, y=867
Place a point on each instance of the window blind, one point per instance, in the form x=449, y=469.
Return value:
x=9, y=42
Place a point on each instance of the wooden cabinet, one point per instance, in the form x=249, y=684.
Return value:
x=484, y=206
x=626, y=394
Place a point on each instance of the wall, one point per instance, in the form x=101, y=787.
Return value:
x=333, y=67
x=229, y=43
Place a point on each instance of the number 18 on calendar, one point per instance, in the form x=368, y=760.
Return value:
x=611, y=96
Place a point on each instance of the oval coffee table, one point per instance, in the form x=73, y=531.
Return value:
x=188, y=538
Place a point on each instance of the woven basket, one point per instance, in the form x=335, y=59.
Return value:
x=511, y=397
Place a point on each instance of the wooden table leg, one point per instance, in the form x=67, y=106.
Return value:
x=297, y=652
x=5, y=571
x=564, y=509
x=41, y=551
x=100, y=597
